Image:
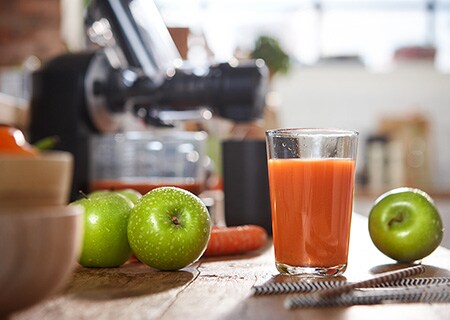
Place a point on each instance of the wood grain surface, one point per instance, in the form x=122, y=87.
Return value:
x=220, y=288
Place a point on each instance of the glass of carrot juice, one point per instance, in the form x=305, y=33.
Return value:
x=311, y=180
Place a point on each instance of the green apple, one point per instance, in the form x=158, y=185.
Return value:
x=131, y=194
x=405, y=224
x=169, y=228
x=105, y=242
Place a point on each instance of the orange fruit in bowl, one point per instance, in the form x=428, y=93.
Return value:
x=12, y=141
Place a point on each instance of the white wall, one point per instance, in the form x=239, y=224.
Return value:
x=347, y=95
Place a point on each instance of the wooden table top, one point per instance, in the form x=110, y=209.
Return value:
x=216, y=288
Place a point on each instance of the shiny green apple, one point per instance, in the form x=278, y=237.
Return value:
x=105, y=241
x=131, y=194
x=405, y=224
x=169, y=228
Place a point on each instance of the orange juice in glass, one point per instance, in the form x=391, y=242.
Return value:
x=311, y=179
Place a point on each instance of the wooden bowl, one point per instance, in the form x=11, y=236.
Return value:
x=42, y=180
x=39, y=249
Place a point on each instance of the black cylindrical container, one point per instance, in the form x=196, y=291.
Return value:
x=246, y=185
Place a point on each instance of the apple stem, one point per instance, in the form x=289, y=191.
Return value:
x=396, y=219
x=175, y=220
x=84, y=195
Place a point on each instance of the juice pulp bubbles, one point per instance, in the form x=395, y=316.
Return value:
x=311, y=210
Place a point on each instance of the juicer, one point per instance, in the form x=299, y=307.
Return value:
x=133, y=68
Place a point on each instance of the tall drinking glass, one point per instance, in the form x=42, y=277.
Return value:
x=311, y=180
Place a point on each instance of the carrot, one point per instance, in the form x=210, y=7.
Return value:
x=235, y=240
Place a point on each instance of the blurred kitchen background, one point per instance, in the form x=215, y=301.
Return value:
x=379, y=67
